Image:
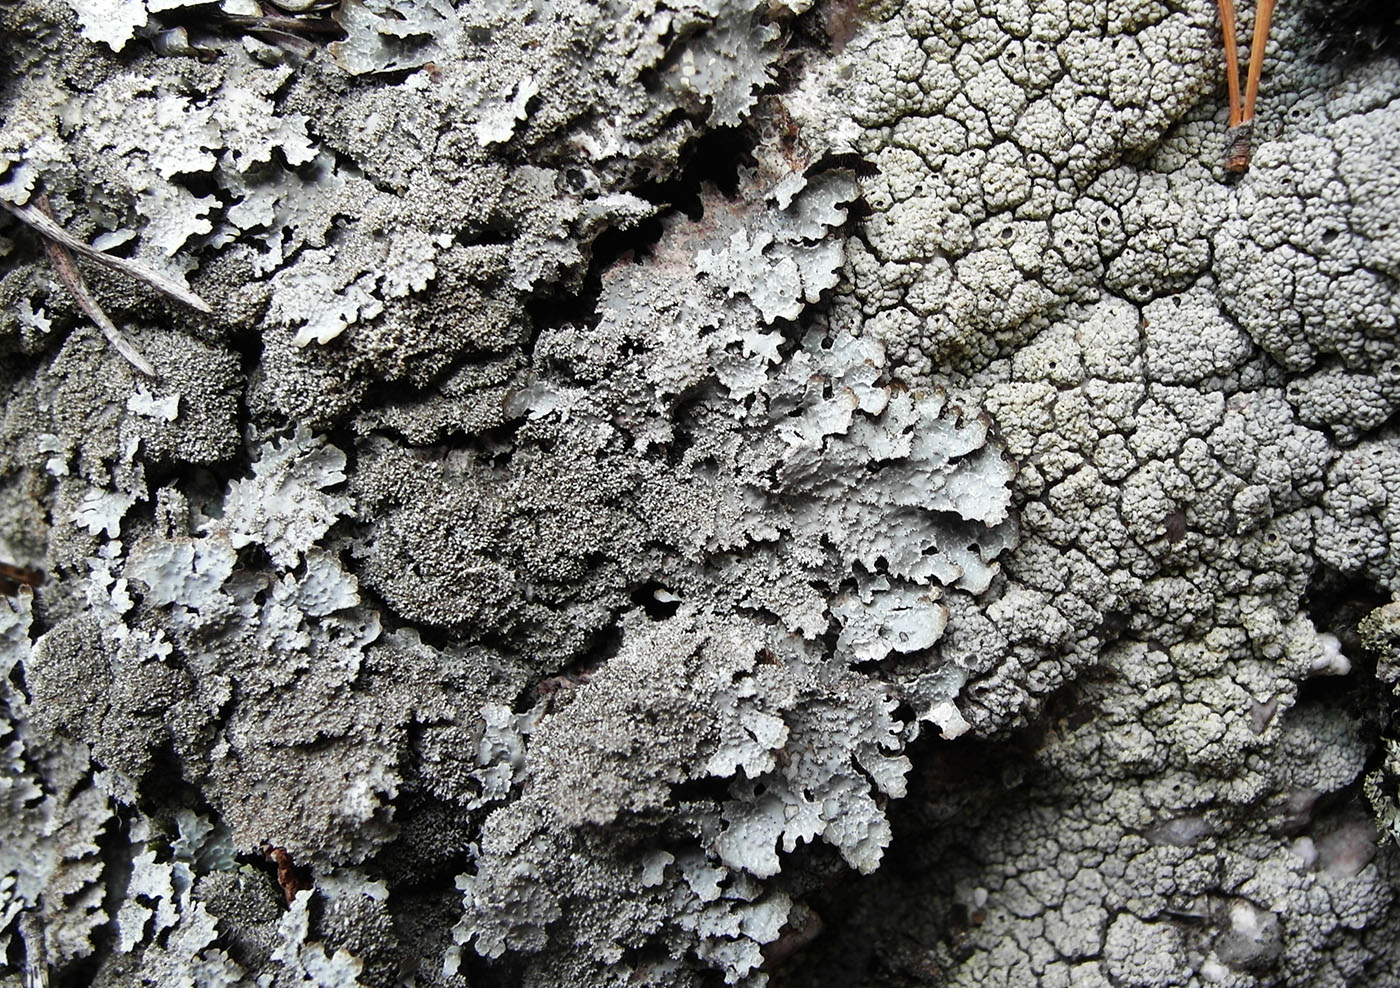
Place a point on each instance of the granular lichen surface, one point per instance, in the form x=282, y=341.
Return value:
x=723, y=491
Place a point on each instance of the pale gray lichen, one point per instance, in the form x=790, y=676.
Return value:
x=1380, y=637
x=695, y=696
x=1182, y=491
x=620, y=588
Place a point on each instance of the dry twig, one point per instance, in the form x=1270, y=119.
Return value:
x=60, y=246
x=1241, y=133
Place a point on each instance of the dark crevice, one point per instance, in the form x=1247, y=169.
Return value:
x=507, y=971
x=1337, y=603
x=656, y=600
x=13, y=958
x=248, y=348
x=712, y=160
x=81, y=973
x=603, y=646
x=709, y=790
x=1350, y=31
x=164, y=790
x=198, y=483
x=431, y=847
x=484, y=237
x=867, y=937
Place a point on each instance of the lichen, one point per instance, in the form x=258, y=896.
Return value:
x=649, y=465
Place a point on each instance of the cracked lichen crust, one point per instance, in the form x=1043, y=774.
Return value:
x=1147, y=846
x=1203, y=428
x=519, y=581
x=998, y=130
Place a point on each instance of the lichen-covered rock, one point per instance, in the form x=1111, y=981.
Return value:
x=568, y=558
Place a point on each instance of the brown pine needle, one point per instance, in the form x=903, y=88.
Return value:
x=1232, y=59
x=1240, y=136
x=1256, y=57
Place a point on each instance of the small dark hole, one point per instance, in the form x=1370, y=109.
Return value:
x=655, y=600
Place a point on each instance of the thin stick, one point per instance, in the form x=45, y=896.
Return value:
x=285, y=25
x=1240, y=137
x=56, y=247
x=1256, y=57
x=44, y=224
x=1232, y=59
x=72, y=279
